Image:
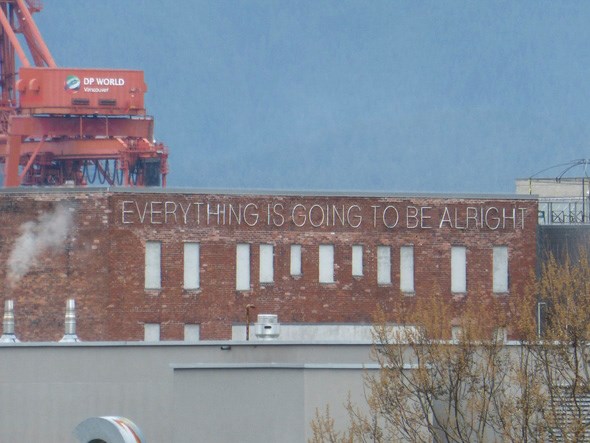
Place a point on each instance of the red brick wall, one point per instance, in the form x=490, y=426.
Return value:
x=101, y=264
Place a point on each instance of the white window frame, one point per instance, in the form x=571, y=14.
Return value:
x=153, y=265
x=500, y=269
x=357, y=260
x=192, y=268
x=406, y=269
x=458, y=269
x=384, y=265
x=266, y=269
x=242, y=267
x=326, y=264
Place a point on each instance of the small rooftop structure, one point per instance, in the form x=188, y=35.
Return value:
x=563, y=199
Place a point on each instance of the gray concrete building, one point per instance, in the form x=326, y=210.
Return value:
x=177, y=392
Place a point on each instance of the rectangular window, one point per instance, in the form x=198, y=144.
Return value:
x=500, y=269
x=191, y=266
x=151, y=332
x=458, y=269
x=243, y=267
x=357, y=260
x=383, y=265
x=153, y=250
x=500, y=335
x=266, y=263
x=326, y=264
x=295, y=259
x=192, y=333
x=406, y=269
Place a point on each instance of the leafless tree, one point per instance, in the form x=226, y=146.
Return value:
x=558, y=346
x=448, y=374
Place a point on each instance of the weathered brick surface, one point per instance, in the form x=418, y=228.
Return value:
x=101, y=264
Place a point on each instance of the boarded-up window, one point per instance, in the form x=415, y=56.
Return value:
x=243, y=267
x=266, y=264
x=295, y=259
x=326, y=264
x=153, y=250
x=151, y=332
x=500, y=269
x=192, y=332
x=406, y=269
x=357, y=260
x=458, y=269
x=383, y=265
x=191, y=266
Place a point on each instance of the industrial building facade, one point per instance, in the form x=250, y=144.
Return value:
x=184, y=265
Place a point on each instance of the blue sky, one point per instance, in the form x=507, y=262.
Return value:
x=428, y=96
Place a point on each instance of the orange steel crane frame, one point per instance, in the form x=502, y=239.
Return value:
x=70, y=125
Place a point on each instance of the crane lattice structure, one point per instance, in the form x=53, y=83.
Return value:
x=70, y=125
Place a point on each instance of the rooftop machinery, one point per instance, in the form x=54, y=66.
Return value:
x=68, y=125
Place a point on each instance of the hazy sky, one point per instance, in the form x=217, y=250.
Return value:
x=413, y=96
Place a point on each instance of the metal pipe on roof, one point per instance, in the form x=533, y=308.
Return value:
x=70, y=323
x=8, y=335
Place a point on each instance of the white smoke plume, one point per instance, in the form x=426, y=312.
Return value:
x=46, y=234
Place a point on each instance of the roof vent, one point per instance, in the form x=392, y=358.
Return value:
x=267, y=327
x=8, y=323
x=70, y=323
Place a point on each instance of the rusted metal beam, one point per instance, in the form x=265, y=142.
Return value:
x=31, y=160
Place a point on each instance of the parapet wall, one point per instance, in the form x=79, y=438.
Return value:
x=308, y=258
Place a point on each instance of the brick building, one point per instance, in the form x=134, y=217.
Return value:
x=185, y=264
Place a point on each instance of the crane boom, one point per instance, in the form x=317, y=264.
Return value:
x=70, y=125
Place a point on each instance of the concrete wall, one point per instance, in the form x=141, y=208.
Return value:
x=177, y=393
x=550, y=187
x=562, y=241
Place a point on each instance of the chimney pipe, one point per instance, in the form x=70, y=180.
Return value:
x=8, y=323
x=70, y=323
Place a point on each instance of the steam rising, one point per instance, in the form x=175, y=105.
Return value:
x=46, y=234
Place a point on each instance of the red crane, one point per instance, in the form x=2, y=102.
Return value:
x=75, y=126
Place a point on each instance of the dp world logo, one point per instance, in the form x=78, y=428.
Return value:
x=72, y=84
